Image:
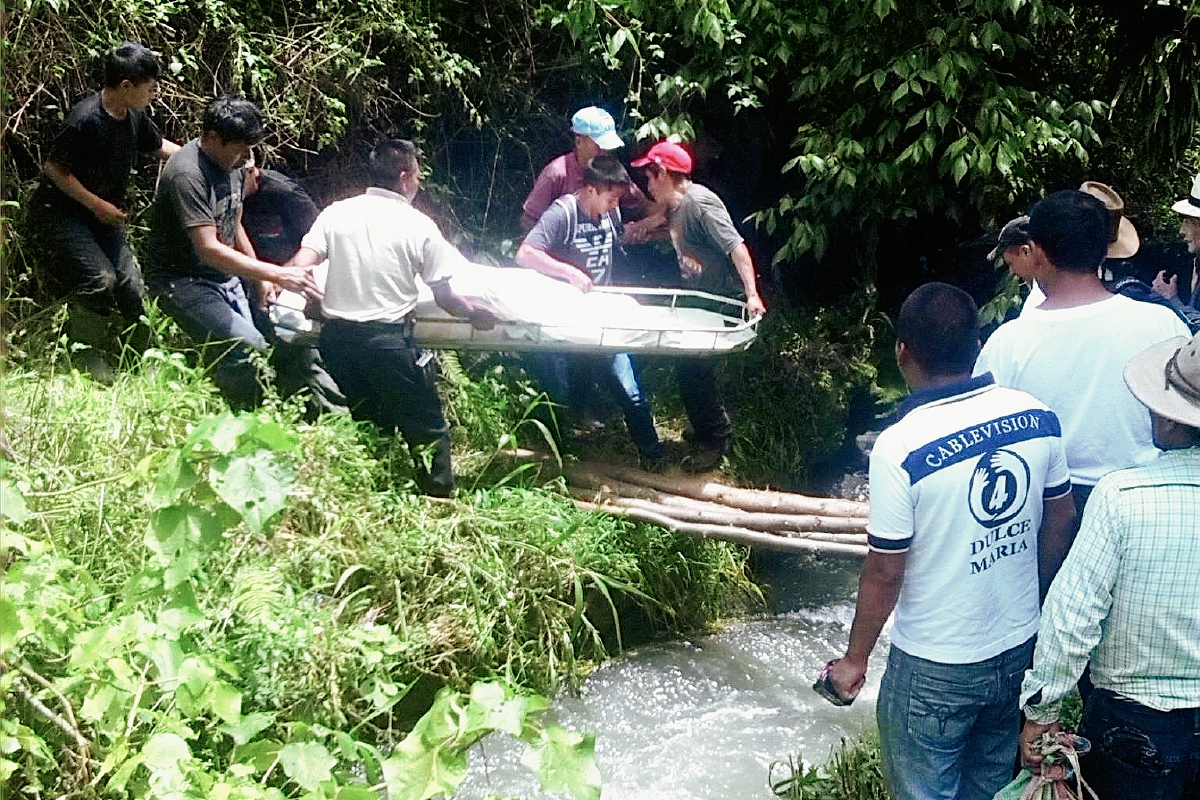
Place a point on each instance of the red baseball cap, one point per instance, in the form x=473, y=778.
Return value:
x=668, y=155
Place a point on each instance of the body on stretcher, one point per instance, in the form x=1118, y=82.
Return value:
x=535, y=312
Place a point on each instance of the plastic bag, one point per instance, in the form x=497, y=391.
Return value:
x=1016, y=789
x=1061, y=766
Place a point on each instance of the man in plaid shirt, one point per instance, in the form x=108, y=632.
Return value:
x=1128, y=598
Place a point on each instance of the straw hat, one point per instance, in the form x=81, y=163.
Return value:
x=1166, y=379
x=1123, y=241
x=1190, y=205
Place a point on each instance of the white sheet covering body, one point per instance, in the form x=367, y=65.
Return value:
x=540, y=313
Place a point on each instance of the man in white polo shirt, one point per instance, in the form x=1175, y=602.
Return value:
x=377, y=244
x=970, y=503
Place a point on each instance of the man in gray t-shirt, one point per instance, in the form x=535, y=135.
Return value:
x=712, y=258
x=198, y=252
x=574, y=241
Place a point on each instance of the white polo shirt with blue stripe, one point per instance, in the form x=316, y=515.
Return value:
x=958, y=484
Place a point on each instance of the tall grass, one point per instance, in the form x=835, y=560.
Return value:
x=365, y=589
x=854, y=772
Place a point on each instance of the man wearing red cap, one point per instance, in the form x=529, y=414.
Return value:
x=713, y=258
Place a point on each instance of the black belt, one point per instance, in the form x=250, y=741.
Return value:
x=403, y=328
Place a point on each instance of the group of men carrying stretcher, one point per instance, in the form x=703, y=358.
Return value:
x=201, y=259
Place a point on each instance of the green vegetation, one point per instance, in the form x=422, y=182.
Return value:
x=851, y=130
x=854, y=772
x=203, y=602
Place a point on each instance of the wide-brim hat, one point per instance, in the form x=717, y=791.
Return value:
x=1165, y=378
x=1190, y=205
x=1123, y=240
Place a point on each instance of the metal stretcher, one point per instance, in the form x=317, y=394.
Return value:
x=683, y=322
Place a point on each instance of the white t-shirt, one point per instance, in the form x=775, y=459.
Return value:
x=377, y=244
x=958, y=483
x=1034, y=299
x=1073, y=360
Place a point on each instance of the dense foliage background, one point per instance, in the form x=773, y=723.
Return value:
x=870, y=139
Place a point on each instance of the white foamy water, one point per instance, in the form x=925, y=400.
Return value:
x=706, y=718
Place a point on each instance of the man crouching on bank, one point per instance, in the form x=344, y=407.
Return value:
x=970, y=503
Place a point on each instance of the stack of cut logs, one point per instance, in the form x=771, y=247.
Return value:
x=775, y=520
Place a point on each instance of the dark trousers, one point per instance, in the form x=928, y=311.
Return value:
x=1139, y=753
x=216, y=314
x=298, y=366
x=100, y=271
x=703, y=402
x=375, y=365
x=100, y=268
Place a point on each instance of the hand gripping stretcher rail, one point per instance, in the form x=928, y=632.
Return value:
x=537, y=313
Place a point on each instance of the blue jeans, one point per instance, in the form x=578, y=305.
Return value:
x=949, y=731
x=217, y=317
x=567, y=379
x=1138, y=752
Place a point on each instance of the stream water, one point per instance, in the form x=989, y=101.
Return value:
x=706, y=718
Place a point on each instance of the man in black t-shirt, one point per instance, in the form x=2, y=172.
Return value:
x=80, y=206
x=574, y=242
x=276, y=213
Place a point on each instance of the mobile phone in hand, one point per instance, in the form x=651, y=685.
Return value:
x=824, y=687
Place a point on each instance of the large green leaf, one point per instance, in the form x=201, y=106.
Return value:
x=10, y=624
x=307, y=763
x=249, y=726
x=565, y=760
x=418, y=771
x=222, y=433
x=256, y=486
x=181, y=537
x=12, y=504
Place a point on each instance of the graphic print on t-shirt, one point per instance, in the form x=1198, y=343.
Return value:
x=594, y=241
x=999, y=487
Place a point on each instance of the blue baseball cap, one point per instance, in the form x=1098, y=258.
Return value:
x=597, y=124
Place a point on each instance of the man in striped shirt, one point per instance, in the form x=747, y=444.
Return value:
x=1128, y=597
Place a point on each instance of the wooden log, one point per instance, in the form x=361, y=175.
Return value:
x=728, y=533
x=700, y=489
x=714, y=514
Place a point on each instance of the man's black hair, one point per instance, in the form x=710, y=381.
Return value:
x=1072, y=229
x=389, y=159
x=605, y=171
x=939, y=324
x=133, y=62
x=234, y=119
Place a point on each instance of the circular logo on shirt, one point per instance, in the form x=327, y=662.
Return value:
x=999, y=487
